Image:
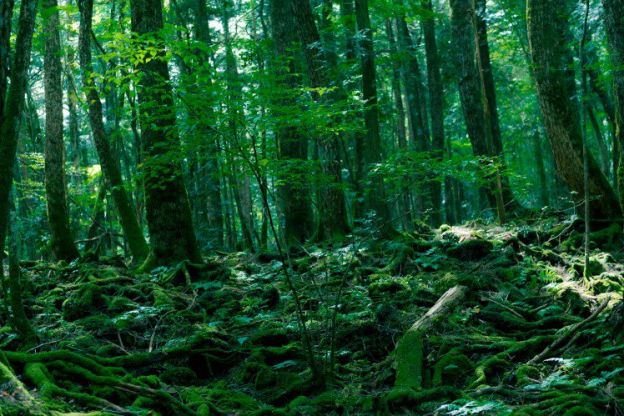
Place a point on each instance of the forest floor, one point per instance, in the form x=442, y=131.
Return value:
x=530, y=336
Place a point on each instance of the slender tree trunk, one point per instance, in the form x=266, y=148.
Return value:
x=374, y=194
x=169, y=219
x=549, y=37
x=209, y=160
x=489, y=93
x=6, y=17
x=13, y=110
x=62, y=243
x=404, y=206
x=539, y=167
x=110, y=164
x=436, y=104
x=614, y=25
x=234, y=113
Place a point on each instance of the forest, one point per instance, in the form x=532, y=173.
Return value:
x=311, y=207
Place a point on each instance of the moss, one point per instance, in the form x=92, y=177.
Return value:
x=487, y=367
x=471, y=250
x=406, y=398
x=83, y=302
x=179, y=376
x=580, y=411
x=409, y=361
x=451, y=369
x=526, y=374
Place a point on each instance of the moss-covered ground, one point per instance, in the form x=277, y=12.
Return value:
x=530, y=337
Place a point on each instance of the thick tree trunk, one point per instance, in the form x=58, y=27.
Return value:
x=474, y=102
x=549, y=39
x=62, y=243
x=13, y=110
x=292, y=145
x=110, y=164
x=332, y=208
x=169, y=220
x=614, y=25
x=374, y=194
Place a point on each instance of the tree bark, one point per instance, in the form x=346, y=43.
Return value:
x=292, y=145
x=110, y=164
x=13, y=109
x=209, y=160
x=436, y=105
x=6, y=17
x=63, y=246
x=168, y=210
x=332, y=208
x=549, y=37
x=614, y=25
x=374, y=195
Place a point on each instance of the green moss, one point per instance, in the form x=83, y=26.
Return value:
x=409, y=361
x=83, y=302
x=451, y=369
x=471, y=250
x=527, y=374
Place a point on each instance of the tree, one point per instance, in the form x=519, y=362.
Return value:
x=110, y=164
x=168, y=211
x=371, y=148
x=476, y=109
x=549, y=37
x=614, y=24
x=14, y=103
x=62, y=243
x=436, y=106
x=332, y=208
x=292, y=144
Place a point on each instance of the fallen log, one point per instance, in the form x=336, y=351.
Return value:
x=409, y=353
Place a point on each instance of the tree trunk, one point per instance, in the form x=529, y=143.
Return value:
x=209, y=160
x=614, y=25
x=474, y=104
x=489, y=92
x=404, y=206
x=63, y=246
x=110, y=164
x=13, y=110
x=172, y=237
x=549, y=37
x=374, y=195
x=6, y=17
x=332, y=208
x=436, y=104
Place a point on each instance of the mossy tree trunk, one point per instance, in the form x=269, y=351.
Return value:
x=63, y=245
x=168, y=210
x=6, y=17
x=549, y=40
x=14, y=104
x=614, y=25
x=110, y=164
